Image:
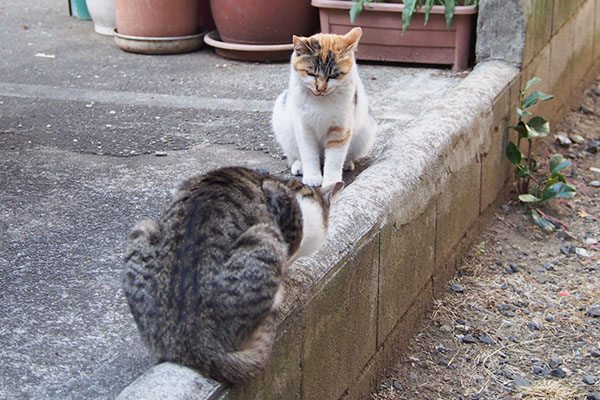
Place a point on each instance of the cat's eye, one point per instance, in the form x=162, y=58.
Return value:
x=334, y=76
x=310, y=73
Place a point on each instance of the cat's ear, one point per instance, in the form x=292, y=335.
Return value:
x=352, y=38
x=278, y=197
x=328, y=192
x=301, y=46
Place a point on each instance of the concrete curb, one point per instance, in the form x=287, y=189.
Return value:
x=412, y=170
x=171, y=381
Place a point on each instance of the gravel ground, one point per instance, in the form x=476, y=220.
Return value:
x=522, y=319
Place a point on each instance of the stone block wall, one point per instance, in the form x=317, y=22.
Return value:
x=555, y=40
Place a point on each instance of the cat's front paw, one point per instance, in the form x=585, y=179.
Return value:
x=296, y=168
x=312, y=180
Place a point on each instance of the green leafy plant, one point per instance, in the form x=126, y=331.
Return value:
x=552, y=186
x=411, y=6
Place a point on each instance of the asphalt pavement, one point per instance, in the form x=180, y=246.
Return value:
x=92, y=139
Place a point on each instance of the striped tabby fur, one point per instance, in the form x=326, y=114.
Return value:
x=204, y=282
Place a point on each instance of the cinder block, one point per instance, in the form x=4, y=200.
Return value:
x=282, y=378
x=406, y=264
x=457, y=208
x=283, y=375
x=562, y=67
x=563, y=11
x=341, y=323
x=495, y=167
x=252, y=390
x=445, y=270
x=515, y=95
x=538, y=30
x=583, y=41
x=539, y=67
x=596, y=48
x=394, y=347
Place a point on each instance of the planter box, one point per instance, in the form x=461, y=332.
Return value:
x=382, y=38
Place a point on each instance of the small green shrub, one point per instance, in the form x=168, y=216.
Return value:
x=551, y=186
x=410, y=7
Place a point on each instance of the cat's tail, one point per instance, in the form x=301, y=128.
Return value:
x=242, y=365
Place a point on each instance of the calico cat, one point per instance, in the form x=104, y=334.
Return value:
x=204, y=283
x=324, y=114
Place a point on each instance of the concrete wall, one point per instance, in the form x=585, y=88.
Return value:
x=556, y=40
x=398, y=231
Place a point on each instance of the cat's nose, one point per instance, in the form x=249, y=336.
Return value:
x=321, y=86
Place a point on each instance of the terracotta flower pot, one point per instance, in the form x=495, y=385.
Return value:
x=382, y=38
x=158, y=26
x=157, y=18
x=264, y=21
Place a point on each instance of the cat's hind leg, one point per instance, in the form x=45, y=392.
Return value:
x=348, y=165
x=248, y=290
x=284, y=134
x=296, y=167
x=361, y=143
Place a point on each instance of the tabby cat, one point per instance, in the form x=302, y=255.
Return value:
x=324, y=113
x=204, y=283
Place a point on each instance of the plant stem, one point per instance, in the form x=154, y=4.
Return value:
x=530, y=164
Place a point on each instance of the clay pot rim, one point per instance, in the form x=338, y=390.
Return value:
x=158, y=38
x=159, y=45
x=212, y=39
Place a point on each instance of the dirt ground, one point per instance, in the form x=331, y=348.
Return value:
x=522, y=319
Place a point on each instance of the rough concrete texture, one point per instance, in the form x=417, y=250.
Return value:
x=500, y=19
x=562, y=49
x=82, y=125
x=168, y=381
x=406, y=264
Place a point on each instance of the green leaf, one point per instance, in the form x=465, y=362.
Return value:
x=356, y=9
x=541, y=221
x=536, y=96
x=523, y=171
x=522, y=113
x=513, y=153
x=566, y=191
x=449, y=12
x=530, y=82
x=428, y=7
x=407, y=13
x=537, y=127
x=558, y=163
x=529, y=198
x=558, y=190
x=521, y=127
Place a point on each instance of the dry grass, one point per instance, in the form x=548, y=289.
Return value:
x=529, y=318
x=550, y=390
